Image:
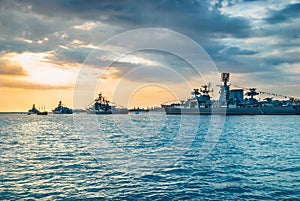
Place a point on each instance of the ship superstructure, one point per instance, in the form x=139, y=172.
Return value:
x=61, y=109
x=232, y=102
x=102, y=106
x=33, y=110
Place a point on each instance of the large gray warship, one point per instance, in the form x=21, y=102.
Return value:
x=232, y=102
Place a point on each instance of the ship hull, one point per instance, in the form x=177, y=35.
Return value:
x=42, y=113
x=289, y=110
x=108, y=112
x=60, y=112
x=138, y=110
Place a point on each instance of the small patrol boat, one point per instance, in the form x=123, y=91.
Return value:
x=33, y=110
x=60, y=109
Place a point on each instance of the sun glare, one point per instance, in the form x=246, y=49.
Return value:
x=42, y=72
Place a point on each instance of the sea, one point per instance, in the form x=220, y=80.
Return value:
x=149, y=156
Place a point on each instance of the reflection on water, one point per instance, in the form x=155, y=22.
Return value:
x=148, y=156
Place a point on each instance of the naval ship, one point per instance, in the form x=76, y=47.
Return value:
x=60, y=109
x=33, y=110
x=101, y=106
x=232, y=102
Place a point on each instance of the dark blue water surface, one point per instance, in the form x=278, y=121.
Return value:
x=149, y=157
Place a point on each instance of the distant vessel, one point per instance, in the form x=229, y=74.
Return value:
x=101, y=106
x=138, y=110
x=60, y=109
x=33, y=110
x=232, y=102
x=42, y=113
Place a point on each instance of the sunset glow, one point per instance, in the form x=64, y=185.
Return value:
x=46, y=46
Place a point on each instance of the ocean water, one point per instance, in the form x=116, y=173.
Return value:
x=149, y=156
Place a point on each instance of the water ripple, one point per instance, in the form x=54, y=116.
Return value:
x=48, y=158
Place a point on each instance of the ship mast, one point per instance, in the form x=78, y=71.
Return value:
x=252, y=93
x=206, y=89
x=224, y=90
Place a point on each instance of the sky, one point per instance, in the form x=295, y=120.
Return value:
x=143, y=53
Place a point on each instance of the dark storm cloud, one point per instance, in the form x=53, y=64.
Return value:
x=290, y=34
x=291, y=58
x=238, y=51
x=287, y=14
x=167, y=68
x=13, y=45
x=76, y=55
x=34, y=20
x=26, y=24
x=182, y=16
x=251, y=0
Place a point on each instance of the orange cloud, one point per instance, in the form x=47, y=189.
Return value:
x=8, y=68
x=19, y=84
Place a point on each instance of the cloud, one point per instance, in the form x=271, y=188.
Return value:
x=287, y=14
x=23, y=23
x=74, y=55
x=93, y=21
x=238, y=51
x=239, y=35
x=20, y=84
x=8, y=68
x=195, y=15
x=151, y=66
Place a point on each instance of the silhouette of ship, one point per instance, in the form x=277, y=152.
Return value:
x=101, y=106
x=60, y=109
x=138, y=110
x=42, y=113
x=232, y=102
x=33, y=110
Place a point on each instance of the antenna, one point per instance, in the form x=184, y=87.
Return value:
x=225, y=77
